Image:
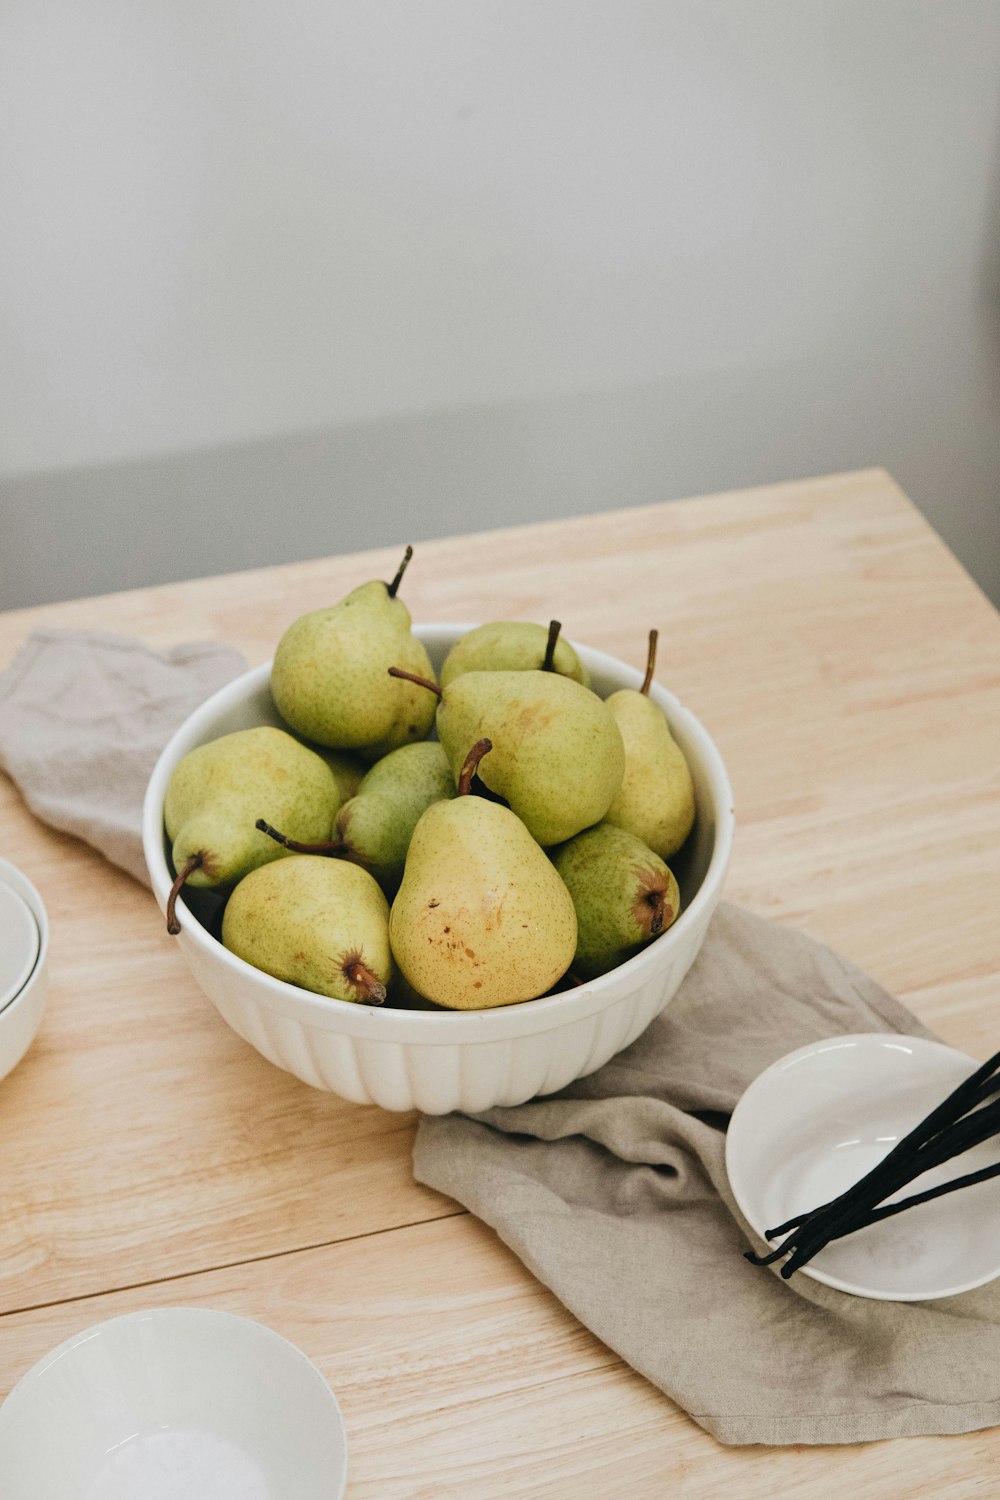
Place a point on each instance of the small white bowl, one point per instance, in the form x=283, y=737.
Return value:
x=19, y=942
x=177, y=1403
x=816, y=1121
x=441, y=1061
x=21, y=1016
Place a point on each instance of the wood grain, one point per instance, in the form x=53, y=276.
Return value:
x=459, y=1375
x=850, y=672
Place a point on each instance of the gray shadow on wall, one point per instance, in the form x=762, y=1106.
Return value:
x=75, y=533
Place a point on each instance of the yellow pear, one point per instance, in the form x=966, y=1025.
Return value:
x=512, y=646
x=217, y=794
x=558, y=758
x=656, y=798
x=481, y=918
x=329, y=677
x=319, y=923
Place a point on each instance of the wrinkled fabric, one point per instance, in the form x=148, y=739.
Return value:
x=614, y=1194
x=83, y=718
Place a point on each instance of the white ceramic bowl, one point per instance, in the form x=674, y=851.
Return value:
x=177, y=1403
x=429, y=1060
x=816, y=1121
x=21, y=1016
x=19, y=943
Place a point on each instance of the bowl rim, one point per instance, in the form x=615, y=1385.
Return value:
x=494, y=1022
x=19, y=882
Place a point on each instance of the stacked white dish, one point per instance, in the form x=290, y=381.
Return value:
x=24, y=969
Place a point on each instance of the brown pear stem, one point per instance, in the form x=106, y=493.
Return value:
x=328, y=846
x=470, y=764
x=548, y=665
x=412, y=677
x=650, y=662
x=186, y=870
x=357, y=973
x=392, y=588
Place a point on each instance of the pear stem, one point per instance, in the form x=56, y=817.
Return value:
x=329, y=846
x=548, y=665
x=357, y=973
x=412, y=677
x=650, y=662
x=187, y=869
x=392, y=588
x=470, y=764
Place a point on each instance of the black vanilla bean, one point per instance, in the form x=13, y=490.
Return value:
x=963, y=1095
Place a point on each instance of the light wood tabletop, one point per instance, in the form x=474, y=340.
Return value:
x=849, y=671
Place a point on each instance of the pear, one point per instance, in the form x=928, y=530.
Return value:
x=623, y=895
x=512, y=646
x=329, y=677
x=558, y=756
x=375, y=827
x=216, y=792
x=656, y=798
x=481, y=918
x=319, y=923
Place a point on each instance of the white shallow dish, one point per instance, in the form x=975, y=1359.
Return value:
x=818, y=1120
x=428, y=1060
x=21, y=1016
x=176, y=1403
x=19, y=942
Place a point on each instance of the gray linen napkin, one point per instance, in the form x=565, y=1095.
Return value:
x=614, y=1193
x=83, y=717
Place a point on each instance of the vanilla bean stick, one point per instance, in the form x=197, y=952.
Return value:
x=977, y=1086
x=855, y=1210
x=861, y=1220
x=887, y=1210
x=991, y=1086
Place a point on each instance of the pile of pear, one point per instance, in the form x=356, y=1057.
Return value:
x=469, y=840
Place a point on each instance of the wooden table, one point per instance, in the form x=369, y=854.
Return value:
x=850, y=673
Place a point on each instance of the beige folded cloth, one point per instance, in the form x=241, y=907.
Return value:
x=83, y=717
x=614, y=1193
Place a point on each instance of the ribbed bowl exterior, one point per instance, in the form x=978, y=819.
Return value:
x=435, y=1075
x=437, y=1061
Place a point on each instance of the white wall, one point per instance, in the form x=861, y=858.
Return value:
x=755, y=235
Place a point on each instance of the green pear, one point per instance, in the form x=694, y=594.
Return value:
x=329, y=676
x=322, y=924
x=623, y=895
x=656, y=798
x=217, y=792
x=512, y=646
x=375, y=827
x=481, y=918
x=558, y=755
